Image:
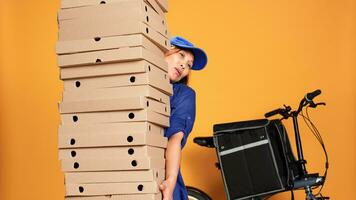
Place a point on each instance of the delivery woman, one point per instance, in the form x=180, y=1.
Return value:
x=182, y=58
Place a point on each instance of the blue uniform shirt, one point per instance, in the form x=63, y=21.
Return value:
x=182, y=119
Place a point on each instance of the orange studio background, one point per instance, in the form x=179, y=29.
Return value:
x=262, y=54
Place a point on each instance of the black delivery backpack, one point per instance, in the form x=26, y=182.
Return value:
x=255, y=157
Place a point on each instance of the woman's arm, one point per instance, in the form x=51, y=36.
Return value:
x=173, y=157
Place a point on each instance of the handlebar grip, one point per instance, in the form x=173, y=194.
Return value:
x=204, y=141
x=310, y=96
x=273, y=112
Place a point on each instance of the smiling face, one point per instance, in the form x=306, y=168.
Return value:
x=179, y=63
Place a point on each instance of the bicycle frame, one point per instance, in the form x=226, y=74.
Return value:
x=306, y=180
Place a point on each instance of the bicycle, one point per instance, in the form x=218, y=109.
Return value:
x=301, y=179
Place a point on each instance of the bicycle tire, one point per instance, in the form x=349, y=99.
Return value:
x=196, y=194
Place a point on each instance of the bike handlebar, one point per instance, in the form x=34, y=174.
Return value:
x=310, y=96
x=308, y=99
x=274, y=112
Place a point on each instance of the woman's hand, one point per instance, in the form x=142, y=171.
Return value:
x=167, y=188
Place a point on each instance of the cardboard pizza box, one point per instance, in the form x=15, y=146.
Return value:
x=88, y=189
x=111, y=152
x=163, y=4
x=104, y=69
x=152, y=76
x=112, y=128
x=105, y=43
x=157, y=175
x=116, y=12
x=118, y=104
x=116, y=92
x=112, y=164
x=157, y=196
x=156, y=7
x=125, y=54
x=102, y=139
x=68, y=4
x=82, y=29
x=115, y=116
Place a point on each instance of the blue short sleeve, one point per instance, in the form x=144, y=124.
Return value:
x=182, y=112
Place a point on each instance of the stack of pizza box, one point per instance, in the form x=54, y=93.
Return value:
x=115, y=104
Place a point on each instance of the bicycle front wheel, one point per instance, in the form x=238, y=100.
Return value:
x=196, y=194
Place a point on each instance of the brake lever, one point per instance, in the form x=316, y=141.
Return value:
x=321, y=103
x=314, y=105
x=286, y=111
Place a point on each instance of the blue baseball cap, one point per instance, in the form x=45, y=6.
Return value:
x=200, y=57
